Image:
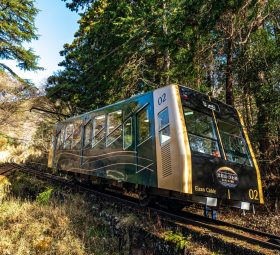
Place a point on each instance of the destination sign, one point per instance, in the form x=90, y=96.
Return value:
x=227, y=177
x=211, y=105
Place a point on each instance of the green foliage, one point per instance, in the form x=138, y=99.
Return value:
x=180, y=241
x=26, y=186
x=227, y=48
x=17, y=20
x=122, y=49
x=44, y=197
x=117, y=52
x=97, y=231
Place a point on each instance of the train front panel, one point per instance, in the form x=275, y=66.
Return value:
x=223, y=165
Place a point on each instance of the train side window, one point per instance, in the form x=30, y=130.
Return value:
x=98, y=129
x=77, y=136
x=61, y=144
x=68, y=136
x=143, y=125
x=164, y=127
x=114, y=128
x=88, y=134
x=127, y=133
x=58, y=141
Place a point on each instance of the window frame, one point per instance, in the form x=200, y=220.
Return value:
x=62, y=139
x=127, y=120
x=93, y=143
x=241, y=138
x=117, y=127
x=147, y=107
x=58, y=140
x=90, y=121
x=69, y=137
x=164, y=127
x=215, y=132
x=79, y=125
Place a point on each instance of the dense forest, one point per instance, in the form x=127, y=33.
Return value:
x=229, y=49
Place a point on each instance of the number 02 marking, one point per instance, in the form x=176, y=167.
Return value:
x=162, y=99
x=253, y=194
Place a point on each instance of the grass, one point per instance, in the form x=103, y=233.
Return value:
x=46, y=225
x=40, y=218
x=28, y=228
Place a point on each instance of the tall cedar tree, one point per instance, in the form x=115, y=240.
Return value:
x=16, y=27
x=228, y=48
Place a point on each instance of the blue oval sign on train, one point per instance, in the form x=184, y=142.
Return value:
x=227, y=177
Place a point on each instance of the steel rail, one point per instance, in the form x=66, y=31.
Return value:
x=231, y=225
x=179, y=219
x=6, y=170
x=228, y=233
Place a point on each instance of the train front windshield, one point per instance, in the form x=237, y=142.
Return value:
x=234, y=143
x=202, y=134
x=203, y=137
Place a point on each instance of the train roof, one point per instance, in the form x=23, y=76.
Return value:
x=135, y=97
x=215, y=99
x=107, y=106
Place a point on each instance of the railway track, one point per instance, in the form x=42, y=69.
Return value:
x=7, y=168
x=270, y=238
x=251, y=236
x=182, y=219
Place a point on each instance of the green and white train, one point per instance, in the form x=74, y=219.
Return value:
x=173, y=143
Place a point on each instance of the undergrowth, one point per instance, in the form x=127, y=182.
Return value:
x=44, y=197
x=43, y=223
x=181, y=241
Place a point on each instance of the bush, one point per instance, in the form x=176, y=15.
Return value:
x=44, y=197
x=180, y=241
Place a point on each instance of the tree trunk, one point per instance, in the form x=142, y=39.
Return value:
x=246, y=106
x=229, y=73
x=166, y=55
x=251, y=109
x=264, y=141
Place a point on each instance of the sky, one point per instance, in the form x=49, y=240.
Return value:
x=56, y=26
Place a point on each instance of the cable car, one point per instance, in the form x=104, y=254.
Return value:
x=173, y=143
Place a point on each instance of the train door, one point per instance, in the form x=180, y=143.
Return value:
x=144, y=146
